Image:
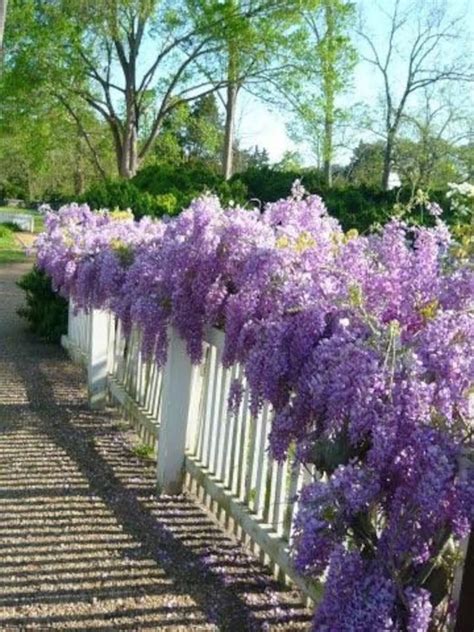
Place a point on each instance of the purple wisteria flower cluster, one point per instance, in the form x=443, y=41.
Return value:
x=362, y=345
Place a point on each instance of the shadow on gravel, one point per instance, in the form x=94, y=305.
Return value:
x=88, y=480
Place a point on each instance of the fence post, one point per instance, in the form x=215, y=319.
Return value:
x=97, y=362
x=180, y=379
x=464, y=576
x=465, y=612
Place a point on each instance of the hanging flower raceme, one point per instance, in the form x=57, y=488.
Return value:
x=362, y=346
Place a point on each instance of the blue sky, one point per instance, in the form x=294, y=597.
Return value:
x=258, y=125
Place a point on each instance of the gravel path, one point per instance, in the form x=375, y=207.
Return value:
x=26, y=240
x=85, y=544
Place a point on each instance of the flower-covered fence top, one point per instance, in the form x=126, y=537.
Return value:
x=360, y=343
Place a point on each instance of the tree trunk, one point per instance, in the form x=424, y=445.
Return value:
x=3, y=15
x=387, y=159
x=228, y=156
x=79, y=180
x=329, y=81
x=230, y=107
x=29, y=184
x=328, y=147
x=128, y=156
x=128, y=161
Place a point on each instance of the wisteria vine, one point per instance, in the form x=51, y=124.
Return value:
x=362, y=345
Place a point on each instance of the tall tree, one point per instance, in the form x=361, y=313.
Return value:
x=256, y=53
x=325, y=58
x=255, y=157
x=131, y=61
x=234, y=84
x=334, y=57
x=43, y=153
x=366, y=164
x=243, y=53
x=427, y=151
x=419, y=49
x=205, y=131
x=290, y=161
x=192, y=133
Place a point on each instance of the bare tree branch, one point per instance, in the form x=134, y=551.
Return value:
x=84, y=134
x=422, y=65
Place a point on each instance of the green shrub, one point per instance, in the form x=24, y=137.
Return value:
x=188, y=181
x=13, y=188
x=167, y=203
x=162, y=178
x=354, y=206
x=124, y=194
x=6, y=228
x=163, y=189
x=46, y=312
x=121, y=194
x=265, y=183
x=234, y=191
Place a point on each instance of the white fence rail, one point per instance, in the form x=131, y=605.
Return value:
x=23, y=221
x=182, y=412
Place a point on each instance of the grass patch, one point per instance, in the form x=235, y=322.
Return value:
x=11, y=256
x=143, y=451
x=10, y=250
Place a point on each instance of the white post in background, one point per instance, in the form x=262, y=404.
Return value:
x=466, y=462
x=181, y=383
x=97, y=364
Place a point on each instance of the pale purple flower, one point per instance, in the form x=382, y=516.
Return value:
x=361, y=346
x=434, y=209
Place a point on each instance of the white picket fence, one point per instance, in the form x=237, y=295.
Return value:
x=23, y=221
x=182, y=412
